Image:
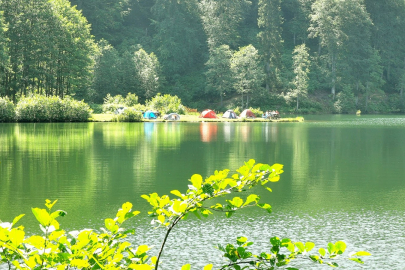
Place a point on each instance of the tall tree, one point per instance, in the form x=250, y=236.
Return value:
x=221, y=19
x=147, y=69
x=245, y=65
x=301, y=70
x=270, y=22
x=106, y=72
x=4, y=59
x=219, y=74
x=177, y=41
x=343, y=29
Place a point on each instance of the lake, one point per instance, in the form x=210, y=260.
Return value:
x=344, y=180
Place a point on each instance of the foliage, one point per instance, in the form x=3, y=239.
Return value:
x=240, y=255
x=112, y=103
x=85, y=249
x=257, y=112
x=110, y=249
x=237, y=110
x=50, y=49
x=147, y=70
x=39, y=108
x=7, y=110
x=345, y=102
x=166, y=104
x=129, y=115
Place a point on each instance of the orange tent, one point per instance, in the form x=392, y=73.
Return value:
x=247, y=114
x=208, y=114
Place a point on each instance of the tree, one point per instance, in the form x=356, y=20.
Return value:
x=219, y=74
x=221, y=19
x=4, y=59
x=106, y=72
x=147, y=70
x=301, y=70
x=343, y=28
x=245, y=65
x=177, y=40
x=270, y=22
x=50, y=48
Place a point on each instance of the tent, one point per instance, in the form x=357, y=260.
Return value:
x=149, y=115
x=230, y=114
x=208, y=114
x=172, y=117
x=247, y=114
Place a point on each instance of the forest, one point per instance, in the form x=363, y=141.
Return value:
x=307, y=56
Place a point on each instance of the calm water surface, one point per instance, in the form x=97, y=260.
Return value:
x=344, y=180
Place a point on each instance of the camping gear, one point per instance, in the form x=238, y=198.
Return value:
x=149, y=115
x=230, y=115
x=247, y=114
x=172, y=117
x=208, y=114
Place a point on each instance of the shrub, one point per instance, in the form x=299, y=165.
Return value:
x=39, y=108
x=112, y=103
x=129, y=115
x=237, y=110
x=7, y=110
x=75, y=111
x=345, y=102
x=166, y=104
x=256, y=111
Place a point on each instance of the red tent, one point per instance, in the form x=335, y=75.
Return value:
x=247, y=114
x=208, y=114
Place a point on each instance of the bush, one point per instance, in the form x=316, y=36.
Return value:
x=39, y=108
x=345, y=102
x=129, y=115
x=112, y=103
x=256, y=111
x=166, y=104
x=75, y=111
x=7, y=110
x=237, y=110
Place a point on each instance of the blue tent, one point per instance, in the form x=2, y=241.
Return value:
x=149, y=115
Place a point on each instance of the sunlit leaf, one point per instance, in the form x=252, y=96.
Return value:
x=16, y=219
x=322, y=251
x=208, y=267
x=42, y=216
x=196, y=180
x=186, y=267
x=140, y=267
x=16, y=237
x=309, y=246
x=50, y=204
x=340, y=246
x=361, y=253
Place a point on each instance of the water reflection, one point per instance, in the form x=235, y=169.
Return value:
x=208, y=131
x=92, y=168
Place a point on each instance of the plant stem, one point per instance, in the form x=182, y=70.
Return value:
x=165, y=239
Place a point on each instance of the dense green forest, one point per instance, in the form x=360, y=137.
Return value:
x=306, y=55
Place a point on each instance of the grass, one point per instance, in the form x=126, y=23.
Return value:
x=195, y=118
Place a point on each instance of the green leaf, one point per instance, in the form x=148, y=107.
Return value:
x=322, y=251
x=58, y=213
x=332, y=264
x=16, y=237
x=196, y=180
x=16, y=219
x=229, y=214
x=50, y=204
x=309, y=246
x=241, y=240
x=186, y=267
x=42, y=216
x=357, y=260
x=300, y=246
x=331, y=248
x=251, y=198
x=177, y=193
x=275, y=241
x=265, y=206
x=361, y=253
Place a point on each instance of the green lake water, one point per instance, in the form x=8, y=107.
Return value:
x=344, y=179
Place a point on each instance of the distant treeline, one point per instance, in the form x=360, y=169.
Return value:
x=310, y=55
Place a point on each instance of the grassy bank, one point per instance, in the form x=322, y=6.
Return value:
x=195, y=118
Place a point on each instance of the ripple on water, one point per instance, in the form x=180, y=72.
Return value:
x=193, y=241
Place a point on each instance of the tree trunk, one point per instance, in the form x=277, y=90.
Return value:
x=333, y=90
